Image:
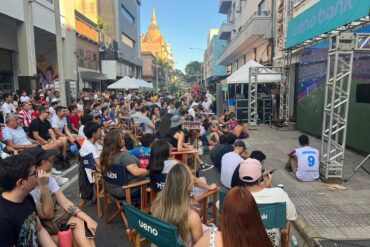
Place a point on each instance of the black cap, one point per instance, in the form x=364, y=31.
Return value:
x=39, y=153
x=240, y=143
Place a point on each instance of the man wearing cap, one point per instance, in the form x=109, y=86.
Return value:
x=230, y=161
x=63, y=210
x=258, y=183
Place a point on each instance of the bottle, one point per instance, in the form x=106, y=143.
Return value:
x=65, y=236
x=294, y=241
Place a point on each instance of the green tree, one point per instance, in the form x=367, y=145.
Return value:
x=193, y=72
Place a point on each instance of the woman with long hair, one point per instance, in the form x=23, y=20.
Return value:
x=160, y=164
x=173, y=204
x=114, y=153
x=241, y=223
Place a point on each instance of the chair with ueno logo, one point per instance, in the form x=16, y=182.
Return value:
x=273, y=215
x=117, y=176
x=145, y=228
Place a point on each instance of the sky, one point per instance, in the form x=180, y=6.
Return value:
x=184, y=24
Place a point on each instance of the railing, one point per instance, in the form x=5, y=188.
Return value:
x=249, y=21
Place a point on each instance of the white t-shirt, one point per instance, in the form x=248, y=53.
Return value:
x=206, y=105
x=229, y=162
x=273, y=195
x=81, y=131
x=53, y=187
x=87, y=148
x=52, y=112
x=7, y=109
x=308, y=163
x=24, y=99
x=56, y=122
x=191, y=112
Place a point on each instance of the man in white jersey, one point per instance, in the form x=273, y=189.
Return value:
x=304, y=161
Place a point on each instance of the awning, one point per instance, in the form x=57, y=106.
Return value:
x=91, y=75
x=242, y=74
x=125, y=83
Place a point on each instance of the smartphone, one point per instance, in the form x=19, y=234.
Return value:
x=88, y=233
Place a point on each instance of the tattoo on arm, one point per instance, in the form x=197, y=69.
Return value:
x=72, y=209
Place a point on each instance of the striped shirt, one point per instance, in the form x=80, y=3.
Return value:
x=25, y=118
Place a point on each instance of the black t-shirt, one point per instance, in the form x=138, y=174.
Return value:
x=18, y=223
x=40, y=126
x=217, y=152
x=235, y=180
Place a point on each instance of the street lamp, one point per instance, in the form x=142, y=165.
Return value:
x=203, y=73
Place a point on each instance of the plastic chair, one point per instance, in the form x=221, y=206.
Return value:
x=151, y=229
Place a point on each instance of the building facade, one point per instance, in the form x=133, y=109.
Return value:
x=149, y=61
x=212, y=70
x=120, y=38
x=28, y=58
x=248, y=32
x=87, y=45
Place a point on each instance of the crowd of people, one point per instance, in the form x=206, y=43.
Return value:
x=39, y=132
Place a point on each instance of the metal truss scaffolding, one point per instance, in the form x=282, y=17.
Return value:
x=254, y=74
x=284, y=88
x=337, y=93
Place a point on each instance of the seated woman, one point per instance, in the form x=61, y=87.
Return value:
x=238, y=208
x=240, y=131
x=176, y=137
x=210, y=136
x=173, y=204
x=160, y=164
x=231, y=123
x=114, y=153
x=105, y=117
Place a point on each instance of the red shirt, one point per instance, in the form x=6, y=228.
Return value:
x=35, y=114
x=75, y=120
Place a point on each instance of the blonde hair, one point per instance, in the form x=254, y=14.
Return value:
x=173, y=203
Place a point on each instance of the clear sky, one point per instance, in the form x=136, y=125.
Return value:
x=184, y=24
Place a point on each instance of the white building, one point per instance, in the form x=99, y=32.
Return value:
x=28, y=57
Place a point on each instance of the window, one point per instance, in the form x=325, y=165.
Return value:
x=128, y=41
x=128, y=16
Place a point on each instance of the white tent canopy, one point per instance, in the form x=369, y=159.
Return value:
x=242, y=74
x=125, y=83
x=144, y=84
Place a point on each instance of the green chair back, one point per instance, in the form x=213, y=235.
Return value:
x=154, y=230
x=273, y=214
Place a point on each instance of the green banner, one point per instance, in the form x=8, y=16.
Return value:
x=323, y=17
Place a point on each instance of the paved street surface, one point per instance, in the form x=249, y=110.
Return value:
x=323, y=211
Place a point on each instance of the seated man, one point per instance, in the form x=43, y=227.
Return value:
x=145, y=122
x=230, y=161
x=15, y=137
x=93, y=133
x=258, y=183
x=304, y=161
x=143, y=152
x=258, y=155
x=63, y=211
x=60, y=125
x=240, y=131
x=210, y=135
x=41, y=131
x=19, y=223
x=225, y=146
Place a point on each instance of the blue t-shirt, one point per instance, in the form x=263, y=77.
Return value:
x=112, y=115
x=143, y=154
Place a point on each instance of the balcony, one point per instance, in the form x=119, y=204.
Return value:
x=224, y=6
x=225, y=30
x=255, y=31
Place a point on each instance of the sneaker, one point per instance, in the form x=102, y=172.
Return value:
x=60, y=180
x=205, y=167
x=56, y=172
